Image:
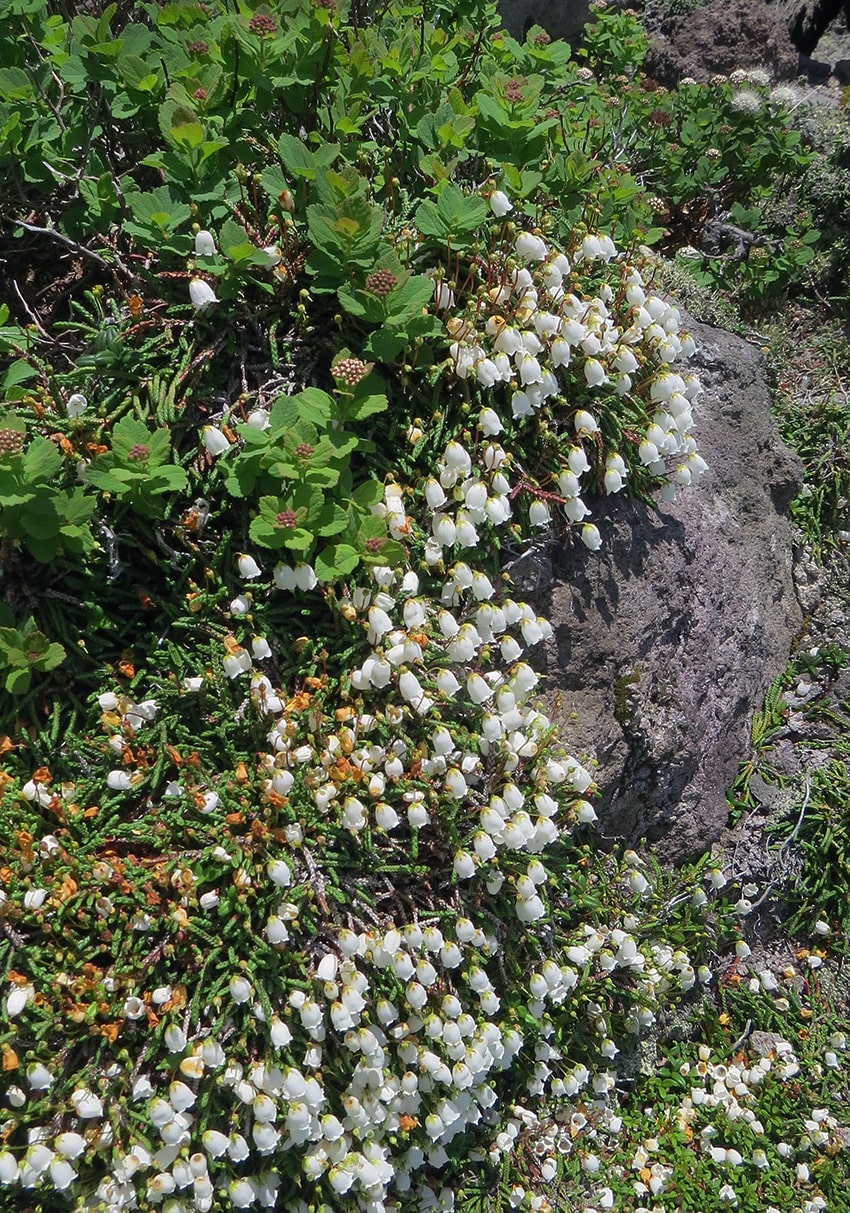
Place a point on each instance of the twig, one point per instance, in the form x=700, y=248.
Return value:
x=15, y=938
x=786, y=844
x=748, y=1027
x=32, y=315
x=66, y=240
x=318, y=882
x=80, y=249
x=742, y=833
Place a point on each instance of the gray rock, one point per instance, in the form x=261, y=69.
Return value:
x=559, y=18
x=666, y=640
x=763, y=1044
x=808, y=20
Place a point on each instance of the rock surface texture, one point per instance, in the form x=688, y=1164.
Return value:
x=719, y=37
x=666, y=640
x=807, y=22
x=559, y=18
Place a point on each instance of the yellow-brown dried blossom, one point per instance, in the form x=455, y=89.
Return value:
x=67, y=888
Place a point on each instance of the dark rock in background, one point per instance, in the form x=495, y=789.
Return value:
x=711, y=36
x=807, y=22
x=717, y=38
x=560, y=18
x=666, y=640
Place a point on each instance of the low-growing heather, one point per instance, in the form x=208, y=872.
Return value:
x=300, y=905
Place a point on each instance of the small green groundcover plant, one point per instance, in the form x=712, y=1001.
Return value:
x=299, y=907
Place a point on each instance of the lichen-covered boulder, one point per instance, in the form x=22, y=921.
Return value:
x=666, y=639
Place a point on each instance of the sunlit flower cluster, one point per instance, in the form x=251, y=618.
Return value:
x=534, y=340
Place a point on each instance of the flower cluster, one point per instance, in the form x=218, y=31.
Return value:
x=534, y=340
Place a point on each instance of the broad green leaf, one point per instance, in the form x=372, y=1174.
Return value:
x=300, y=433
x=331, y=521
x=409, y=299
x=44, y=550
x=136, y=73
x=235, y=242
x=18, y=681
x=367, y=494
x=430, y=222
x=324, y=477
x=371, y=527
x=41, y=461
x=128, y=433
x=76, y=508
x=15, y=84
x=312, y=406
x=239, y=480
x=335, y=561
x=361, y=304
x=283, y=415
x=159, y=447
x=106, y=481
x=267, y=535
x=179, y=124
x=346, y=126
x=298, y=158
x=19, y=372
x=299, y=540
x=270, y=507
x=209, y=147
x=338, y=187
x=12, y=494
x=491, y=109
x=53, y=655
x=367, y=406
x=156, y=213
x=167, y=479
x=189, y=135
x=388, y=551
x=273, y=181
x=39, y=519
x=462, y=212
x=336, y=445
x=386, y=344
